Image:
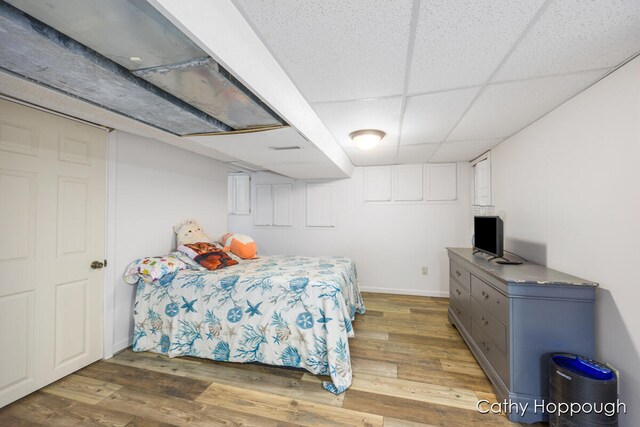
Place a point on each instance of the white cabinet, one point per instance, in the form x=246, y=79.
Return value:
x=413, y=183
x=482, y=183
x=263, y=205
x=377, y=184
x=320, y=205
x=282, y=204
x=408, y=183
x=441, y=181
x=273, y=205
x=239, y=194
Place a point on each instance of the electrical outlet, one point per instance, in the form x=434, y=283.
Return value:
x=425, y=270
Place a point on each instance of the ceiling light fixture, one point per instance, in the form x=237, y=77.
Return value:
x=366, y=139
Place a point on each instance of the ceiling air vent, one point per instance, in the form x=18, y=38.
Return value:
x=291, y=147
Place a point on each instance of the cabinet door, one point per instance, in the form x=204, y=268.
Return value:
x=263, y=207
x=377, y=184
x=231, y=198
x=242, y=194
x=408, y=183
x=441, y=181
x=282, y=204
x=482, y=183
x=320, y=205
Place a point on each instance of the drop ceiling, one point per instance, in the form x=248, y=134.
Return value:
x=445, y=79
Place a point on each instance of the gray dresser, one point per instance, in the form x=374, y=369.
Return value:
x=513, y=317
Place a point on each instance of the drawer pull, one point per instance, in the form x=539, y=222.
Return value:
x=486, y=296
x=458, y=273
x=485, y=321
x=458, y=291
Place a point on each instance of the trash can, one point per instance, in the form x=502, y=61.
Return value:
x=582, y=392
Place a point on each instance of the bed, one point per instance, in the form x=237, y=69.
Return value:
x=293, y=311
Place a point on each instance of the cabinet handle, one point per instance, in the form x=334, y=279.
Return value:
x=486, y=296
x=497, y=301
x=458, y=291
x=485, y=321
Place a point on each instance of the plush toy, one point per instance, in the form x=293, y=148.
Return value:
x=190, y=232
x=240, y=245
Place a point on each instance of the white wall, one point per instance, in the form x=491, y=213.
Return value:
x=153, y=186
x=569, y=187
x=389, y=242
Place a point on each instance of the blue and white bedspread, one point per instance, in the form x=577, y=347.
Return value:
x=280, y=310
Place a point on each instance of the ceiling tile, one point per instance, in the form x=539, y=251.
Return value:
x=429, y=118
x=335, y=49
x=460, y=42
x=373, y=157
x=461, y=151
x=576, y=35
x=505, y=108
x=420, y=153
x=342, y=118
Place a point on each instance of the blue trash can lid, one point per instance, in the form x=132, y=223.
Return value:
x=584, y=366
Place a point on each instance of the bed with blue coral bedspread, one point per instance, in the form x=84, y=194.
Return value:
x=291, y=311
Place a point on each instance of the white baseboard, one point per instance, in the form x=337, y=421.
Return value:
x=122, y=344
x=422, y=293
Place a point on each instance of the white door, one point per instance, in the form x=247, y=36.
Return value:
x=52, y=192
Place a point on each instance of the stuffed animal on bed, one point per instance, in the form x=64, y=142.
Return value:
x=240, y=245
x=194, y=242
x=190, y=232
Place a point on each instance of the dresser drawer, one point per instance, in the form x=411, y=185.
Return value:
x=460, y=312
x=460, y=274
x=496, y=358
x=494, y=300
x=458, y=292
x=489, y=324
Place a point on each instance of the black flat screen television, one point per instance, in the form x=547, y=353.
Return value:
x=488, y=235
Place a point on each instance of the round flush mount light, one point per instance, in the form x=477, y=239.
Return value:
x=135, y=59
x=366, y=139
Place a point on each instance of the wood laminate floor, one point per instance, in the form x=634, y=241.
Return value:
x=410, y=368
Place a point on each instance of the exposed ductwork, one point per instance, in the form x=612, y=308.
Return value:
x=126, y=57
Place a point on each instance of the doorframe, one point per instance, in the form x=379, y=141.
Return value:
x=110, y=244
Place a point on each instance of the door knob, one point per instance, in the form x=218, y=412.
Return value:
x=96, y=265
